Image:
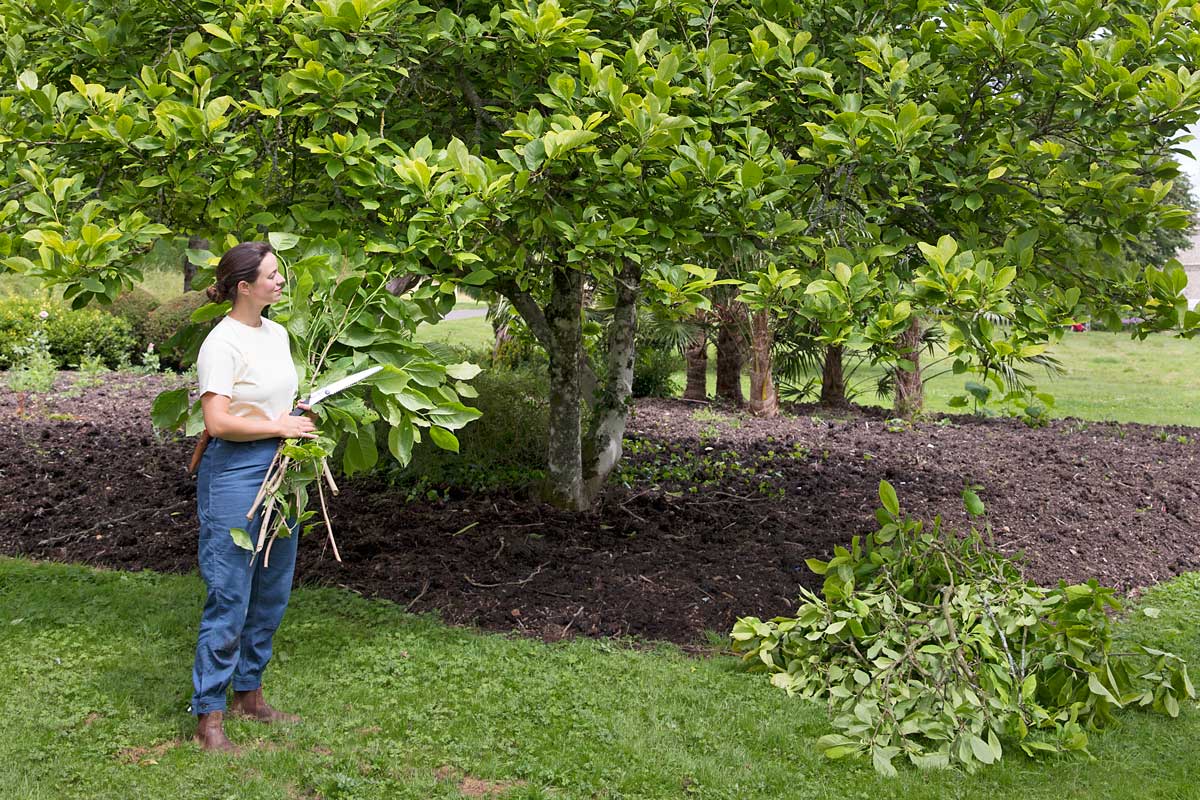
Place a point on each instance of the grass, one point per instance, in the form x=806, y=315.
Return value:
x=472, y=332
x=97, y=665
x=1109, y=376
x=161, y=268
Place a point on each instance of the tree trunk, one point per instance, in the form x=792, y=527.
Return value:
x=189, y=269
x=564, y=458
x=764, y=400
x=696, y=354
x=910, y=392
x=604, y=444
x=731, y=354
x=833, y=380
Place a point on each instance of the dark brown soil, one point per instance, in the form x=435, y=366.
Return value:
x=712, y=517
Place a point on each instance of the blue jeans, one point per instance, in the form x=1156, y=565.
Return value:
x=245, y=602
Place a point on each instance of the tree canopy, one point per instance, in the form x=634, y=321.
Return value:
x=641, y=150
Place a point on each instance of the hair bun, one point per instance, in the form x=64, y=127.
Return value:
x=215, y=294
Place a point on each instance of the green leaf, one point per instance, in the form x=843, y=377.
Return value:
x=241, y=538
x=751, y=174
x=283, y=241
x=981, y=750
x=973, y=503
x=210, y=311
x=361, y=453
x=400, y=443
x=887, y=496
x=444, y=439
x=464, y=371
x=170, y=409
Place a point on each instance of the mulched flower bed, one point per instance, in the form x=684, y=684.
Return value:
x=711, y=518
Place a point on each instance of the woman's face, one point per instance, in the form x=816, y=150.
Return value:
x=267, y=287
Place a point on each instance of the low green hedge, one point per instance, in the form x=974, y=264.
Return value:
x=70, y=335
x=168, y=320
x=135, y=307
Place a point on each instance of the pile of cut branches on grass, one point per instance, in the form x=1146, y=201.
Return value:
x=933, y=646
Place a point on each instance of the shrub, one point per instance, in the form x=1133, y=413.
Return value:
x=165, y=324
x=506, y=446
x=135, y=307
x=71, y=336
x=652, y=371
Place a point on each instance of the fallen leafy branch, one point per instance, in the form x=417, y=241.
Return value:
x=934, y=647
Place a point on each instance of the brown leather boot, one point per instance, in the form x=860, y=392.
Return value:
x=210, y=734
x=252, y=705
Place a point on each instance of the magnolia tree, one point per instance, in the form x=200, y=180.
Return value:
x=361, y=123
x=1036, y=133
x=552, y=152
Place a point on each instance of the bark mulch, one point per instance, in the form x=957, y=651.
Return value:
x=710, y=518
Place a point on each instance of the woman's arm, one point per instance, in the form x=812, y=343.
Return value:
x=223, y=425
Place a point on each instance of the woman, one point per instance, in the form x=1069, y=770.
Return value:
x=247, y=383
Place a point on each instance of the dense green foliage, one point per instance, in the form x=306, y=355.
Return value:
x=533, y=149
x=932, y=647
x=506, y=446
x=653, y=372
x=170, y=329
x=69, y=336
x=135, y=307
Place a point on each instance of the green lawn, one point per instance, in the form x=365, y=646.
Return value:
x=1109, y=376
x=97, y=666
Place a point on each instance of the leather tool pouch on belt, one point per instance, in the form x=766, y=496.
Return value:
x=198, y=453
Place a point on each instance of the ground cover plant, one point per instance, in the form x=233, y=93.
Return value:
x=932, y=647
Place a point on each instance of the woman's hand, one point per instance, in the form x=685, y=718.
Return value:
x=300, y=427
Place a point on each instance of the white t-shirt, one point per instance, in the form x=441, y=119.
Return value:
x=251, y=366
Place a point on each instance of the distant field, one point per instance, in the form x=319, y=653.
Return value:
x=1109, y=376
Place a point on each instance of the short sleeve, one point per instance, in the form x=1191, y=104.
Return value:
x=216, y=367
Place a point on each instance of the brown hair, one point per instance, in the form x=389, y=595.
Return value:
x=240, y=263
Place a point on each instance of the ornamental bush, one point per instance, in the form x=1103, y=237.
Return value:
x=135, y=307
x=70, y=335
x=165, y=324
x=505, y=446
x=932, y=647
x=652, y=371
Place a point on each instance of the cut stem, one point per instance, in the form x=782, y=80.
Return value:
x=325, y=513
x=329, y=476
x=262, y=490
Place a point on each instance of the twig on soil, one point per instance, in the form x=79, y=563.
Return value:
x=420, y=594
x=554, y=594
x=67, y=537
x=531, y=576
x=499, y=549
x=572, y=622
x=630, y=513
x=734, y=496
